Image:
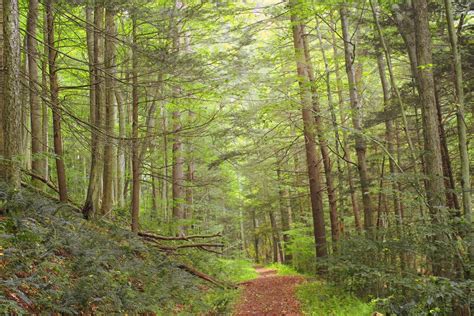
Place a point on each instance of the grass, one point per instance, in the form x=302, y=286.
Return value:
x=238, y=270
x=318, y=298
x=283, y=269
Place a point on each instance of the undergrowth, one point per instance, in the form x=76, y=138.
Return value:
x=318, y=298
x=283, y=269
x=54, y=261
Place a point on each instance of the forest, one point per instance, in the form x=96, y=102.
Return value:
x=236, y=157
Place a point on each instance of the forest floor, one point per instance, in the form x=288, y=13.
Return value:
x=269, y=294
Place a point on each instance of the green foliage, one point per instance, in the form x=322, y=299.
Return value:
x=54, y=261
x=318, y=298
x=237, y=270
x=283, y=269
x=383, y=267
x=301, y=247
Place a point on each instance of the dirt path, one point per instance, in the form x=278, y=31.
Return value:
x=269, y=294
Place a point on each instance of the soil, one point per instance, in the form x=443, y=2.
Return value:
x=269, y=294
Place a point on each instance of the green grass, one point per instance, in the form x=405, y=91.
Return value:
x=238, y=270
x=318, y=299
x=283, y=269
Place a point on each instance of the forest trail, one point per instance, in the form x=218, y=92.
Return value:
x=269, y=294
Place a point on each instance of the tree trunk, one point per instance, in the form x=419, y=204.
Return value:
x=135, y=141
x=109, y=145
x=11, y=115
x=94, y=18
x=190, y=173
x=314, y=173
x=340, y=172
x=435, y=189
x=461, y=126
x=356, y=106
x=285, y=211
x=389, y=135
x=164, y=186
x=38, y=162
x=121, y=170
x=178, y=173
x=345, y=147
x=275, y=238
x=331, y=191
x=54, y=92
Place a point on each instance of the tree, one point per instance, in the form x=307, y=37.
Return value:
x=312, y=161
x=356, y=106
x=11, y=112
x=38, y=164
x=54, y=90
x=135, y=141
x=461, y=126
x=109, y=148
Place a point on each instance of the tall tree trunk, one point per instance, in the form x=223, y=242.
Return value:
x=94, y=19
x=285, y=211
x=44, y=100
x=11, y=115
x=345, y=148
x=314, y=173
x=435, y=189
x=461, y=127
x=331, y=191
x=256, y=240
x=275, y=237
x=121, y=170
x=360, y=145
x=340, y=173
x=38, y=162
x=54, y=92
x=135, y=140
x=389, y=135
x=109, y=145
x=451, y=198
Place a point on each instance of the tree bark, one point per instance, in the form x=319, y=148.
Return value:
x=135, y=141
x=285, y=211
x=94, y=18
x=313, y=163
x=461, y=125
x=356, y=106
x=11, y=115
x=109, y=145
x=390, y=139
x=331, y=190
x=121, y=170
x=345, y=148
x=38, y=162
x=54, y=92
x=190, y=173
x=435, y=189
